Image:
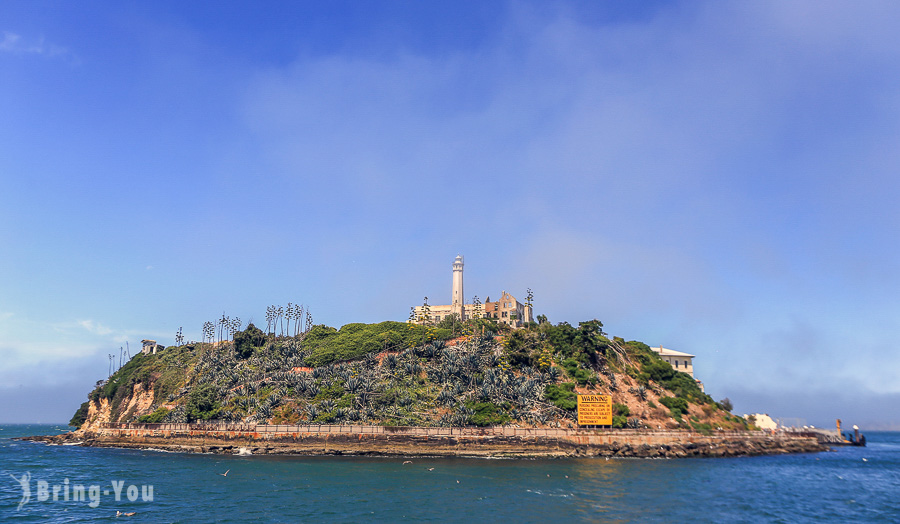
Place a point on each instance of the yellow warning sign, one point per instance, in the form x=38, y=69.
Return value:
x=594, y=410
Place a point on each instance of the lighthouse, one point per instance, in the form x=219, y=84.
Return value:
x=456, y=298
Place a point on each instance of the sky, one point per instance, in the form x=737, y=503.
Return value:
x=716, y=177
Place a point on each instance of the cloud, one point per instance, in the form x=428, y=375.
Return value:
x=13, y=43
x=94, y=327
x=25, y=343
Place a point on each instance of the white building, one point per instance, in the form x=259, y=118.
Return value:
x=683, y=362
x=763, y=421
x=507, y=310
x=150, y=347
x=680, y=361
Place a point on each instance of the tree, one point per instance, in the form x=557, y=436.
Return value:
x=248, y=340
x=725, y=404
x=202, y=403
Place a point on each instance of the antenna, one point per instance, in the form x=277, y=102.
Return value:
x=127, y=350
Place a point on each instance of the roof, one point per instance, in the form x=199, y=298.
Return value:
x=665, y=352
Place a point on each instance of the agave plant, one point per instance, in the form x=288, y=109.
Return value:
x=554, y=374
x=642, y=392
x=352, y=384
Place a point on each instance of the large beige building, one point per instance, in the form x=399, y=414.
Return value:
x=680, y=361
x=683, y=362
x=507, y=310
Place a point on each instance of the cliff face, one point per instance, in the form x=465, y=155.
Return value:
x=100, y=411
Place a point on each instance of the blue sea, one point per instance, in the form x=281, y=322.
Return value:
x=847, y=485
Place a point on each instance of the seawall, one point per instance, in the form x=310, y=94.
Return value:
x=455, y=442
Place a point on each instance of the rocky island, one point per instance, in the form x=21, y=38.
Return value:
x=450, y=388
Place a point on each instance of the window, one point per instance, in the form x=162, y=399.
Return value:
x=676, y=364
x=685, y=363
x=503, y=314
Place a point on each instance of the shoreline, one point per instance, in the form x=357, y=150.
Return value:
x=407, y=442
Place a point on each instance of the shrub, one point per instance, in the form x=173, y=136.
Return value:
x=248, y=341
x=619, y=421
x=154, y=418
x=621, y=409
x=202, y=403
x=725, y=404
x=576, y=372
x=658, y=371
x=675, y=404
x=328, y=344
x=487, y=414
x=702, y=427
x=562, y=395
x=80, y=415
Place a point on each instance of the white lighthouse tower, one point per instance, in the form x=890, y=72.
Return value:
x=456, y=303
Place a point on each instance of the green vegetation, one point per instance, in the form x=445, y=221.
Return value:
x=153, y=418
x=80, y=415
x=328, y=345
x=396, y=374
x=487, y=414
x=562, y=395
x=202, y=403
x=677, y=406
x=248, y=341
x=621, y=409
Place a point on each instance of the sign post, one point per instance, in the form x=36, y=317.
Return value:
x=594, y=410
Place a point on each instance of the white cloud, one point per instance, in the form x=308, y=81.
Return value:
x=14, y=44
x=95, y=327
x=10, y=42
x=27, y=343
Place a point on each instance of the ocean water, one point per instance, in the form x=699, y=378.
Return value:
x=847, y=485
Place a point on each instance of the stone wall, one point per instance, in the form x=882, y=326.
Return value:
x=475, y=442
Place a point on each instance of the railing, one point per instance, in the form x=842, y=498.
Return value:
x=493, y=431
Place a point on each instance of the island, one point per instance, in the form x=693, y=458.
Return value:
x=473, y=387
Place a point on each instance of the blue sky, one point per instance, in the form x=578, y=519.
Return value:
x=719, y=178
